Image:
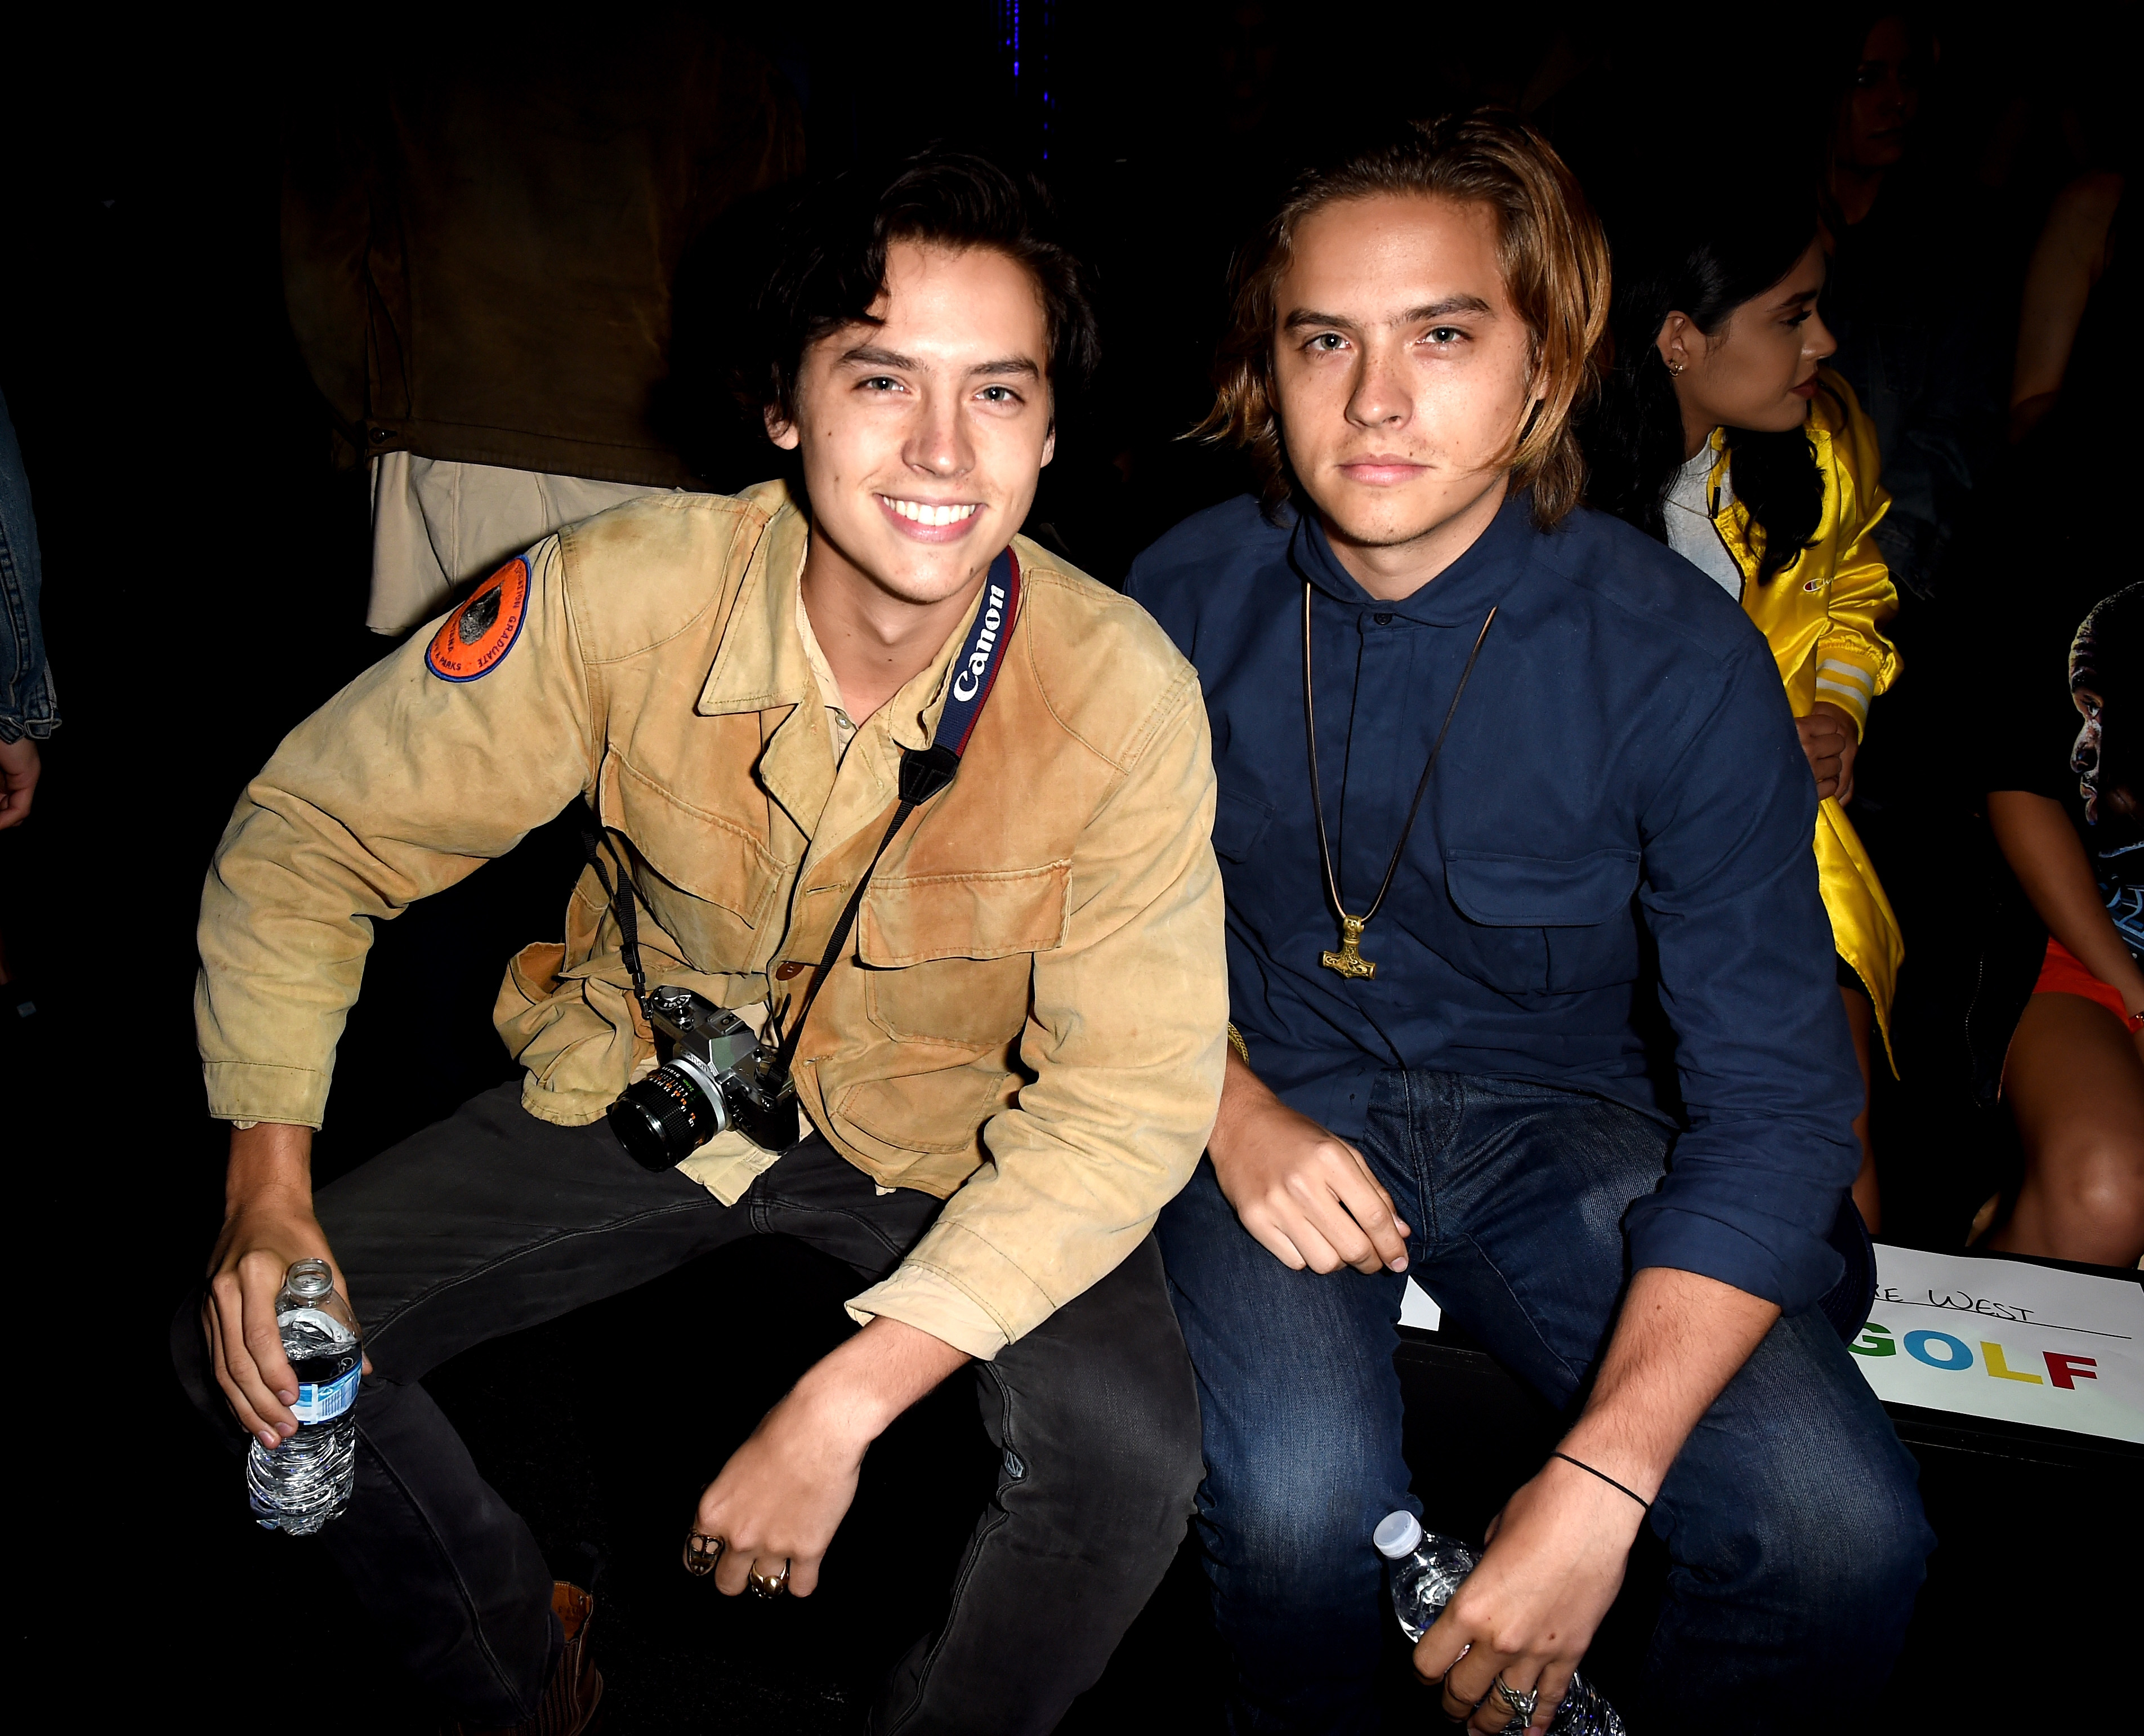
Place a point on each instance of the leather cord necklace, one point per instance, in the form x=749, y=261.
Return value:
x=1349, y=961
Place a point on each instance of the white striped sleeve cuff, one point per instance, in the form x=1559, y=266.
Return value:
x=1848, y=686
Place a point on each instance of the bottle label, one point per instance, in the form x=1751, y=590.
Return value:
x=324, y=1400
x=325, y=1358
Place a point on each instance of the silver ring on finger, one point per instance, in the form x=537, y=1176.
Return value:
x=702, y=1553
x=1522, y=1704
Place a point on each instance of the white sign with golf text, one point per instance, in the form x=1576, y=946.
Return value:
x=2004, y=1339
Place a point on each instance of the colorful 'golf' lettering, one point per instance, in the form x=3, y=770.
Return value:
x=1940, y=1350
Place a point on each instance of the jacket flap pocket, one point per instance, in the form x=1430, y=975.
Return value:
x=964, y=915
x=1239, y=821
x=1512, y=891
x=700, y=853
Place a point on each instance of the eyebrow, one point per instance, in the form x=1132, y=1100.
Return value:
x=870, y=355
x=1439, y=310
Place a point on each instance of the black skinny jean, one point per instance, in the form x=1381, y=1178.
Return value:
x=492, y=1220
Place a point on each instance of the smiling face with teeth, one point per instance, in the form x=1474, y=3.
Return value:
x=922, y=437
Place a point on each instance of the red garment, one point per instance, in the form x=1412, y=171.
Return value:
x=2064, y=973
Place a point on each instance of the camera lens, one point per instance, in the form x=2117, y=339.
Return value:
x=665, y=1118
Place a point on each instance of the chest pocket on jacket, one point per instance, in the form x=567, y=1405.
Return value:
x=1551, y=925
x=712, y=883
x=948, y=957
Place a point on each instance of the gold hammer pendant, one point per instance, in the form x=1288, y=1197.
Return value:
x=1348, y=961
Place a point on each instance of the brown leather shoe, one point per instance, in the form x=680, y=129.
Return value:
x=575, y=1691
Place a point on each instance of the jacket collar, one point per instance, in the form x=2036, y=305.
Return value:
x=760, y=666
x=1457, y=596
x=760, y=663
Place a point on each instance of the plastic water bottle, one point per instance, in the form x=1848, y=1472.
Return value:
x=1427, y=1569
x=305, y=1482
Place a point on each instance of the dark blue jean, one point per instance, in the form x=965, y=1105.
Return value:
x=1792, y=1519
x=491, y=1221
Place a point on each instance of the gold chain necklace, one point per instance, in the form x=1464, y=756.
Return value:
x=1349, y=961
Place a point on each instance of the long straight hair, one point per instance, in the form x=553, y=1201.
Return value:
x=1705, y=268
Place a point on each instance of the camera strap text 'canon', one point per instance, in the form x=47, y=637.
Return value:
x=925, y=771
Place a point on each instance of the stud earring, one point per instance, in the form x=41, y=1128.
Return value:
x=1675, y=369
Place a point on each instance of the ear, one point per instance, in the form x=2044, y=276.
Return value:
x=1050, y=443
x=779, y=428
x=1680, y=342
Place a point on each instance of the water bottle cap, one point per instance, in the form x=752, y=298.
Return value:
x=309, y=1279
x=1398, y=1536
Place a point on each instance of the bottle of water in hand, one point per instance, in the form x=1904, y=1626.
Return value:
x=1427, y=1569
x=305, y=1482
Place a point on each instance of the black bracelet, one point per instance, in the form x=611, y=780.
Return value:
x=1605, y=1478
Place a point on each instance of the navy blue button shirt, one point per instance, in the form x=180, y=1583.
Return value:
x=1622, y=778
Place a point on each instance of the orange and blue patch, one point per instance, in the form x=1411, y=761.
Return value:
x=475, y=639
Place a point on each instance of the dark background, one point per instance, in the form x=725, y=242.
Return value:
x=206, y=572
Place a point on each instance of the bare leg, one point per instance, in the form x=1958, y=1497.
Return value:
x=2076, y=1085
x=1861, y=1019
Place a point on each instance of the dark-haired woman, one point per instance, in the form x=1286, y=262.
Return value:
x=1720, y=433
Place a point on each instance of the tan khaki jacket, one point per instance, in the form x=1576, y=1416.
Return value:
x=1030, y=1020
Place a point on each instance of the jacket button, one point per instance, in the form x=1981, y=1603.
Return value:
x=1383, y=620
x=787, y=969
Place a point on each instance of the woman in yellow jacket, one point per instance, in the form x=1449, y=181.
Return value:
x=1719, y=432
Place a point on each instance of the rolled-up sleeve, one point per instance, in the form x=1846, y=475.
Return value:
x=1124, y=1046
x=1747, y=981
x=399, y=786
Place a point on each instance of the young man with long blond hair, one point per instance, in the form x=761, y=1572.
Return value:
x=1495, y=772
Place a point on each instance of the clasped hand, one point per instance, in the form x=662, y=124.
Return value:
x=260, y=1242
x=1527, y=1612
x=784, y=1493
x=783, y=1496
x=1307, y=1195
x=1829, y=742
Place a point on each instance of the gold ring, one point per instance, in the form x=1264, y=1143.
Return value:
x=701, y=1553
x=764, y=1585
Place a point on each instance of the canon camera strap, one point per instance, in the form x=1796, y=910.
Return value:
x=924, y=773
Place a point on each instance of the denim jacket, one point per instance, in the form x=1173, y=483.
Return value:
x=27, y=706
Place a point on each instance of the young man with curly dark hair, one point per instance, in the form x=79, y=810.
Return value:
x=861, y=762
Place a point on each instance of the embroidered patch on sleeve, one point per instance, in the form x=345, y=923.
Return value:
x=475, y=639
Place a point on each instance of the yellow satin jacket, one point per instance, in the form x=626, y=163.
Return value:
x=1823, y=619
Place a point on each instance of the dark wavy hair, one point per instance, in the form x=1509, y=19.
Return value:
x=830, y=263
x=1703, y=267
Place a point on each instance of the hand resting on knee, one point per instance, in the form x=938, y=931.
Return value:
x=1307, y=1196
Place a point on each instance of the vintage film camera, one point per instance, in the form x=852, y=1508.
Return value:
x=716, y=1075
